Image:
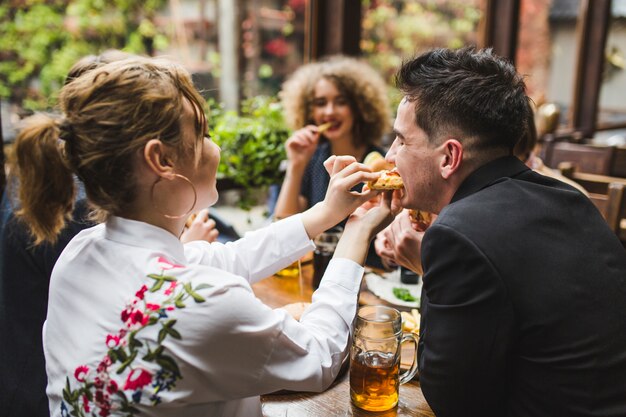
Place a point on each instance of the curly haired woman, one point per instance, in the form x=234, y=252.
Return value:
x=343, y=93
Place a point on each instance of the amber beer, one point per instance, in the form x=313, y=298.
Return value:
x=374, y=380
x=375, y=376
x=291, y=271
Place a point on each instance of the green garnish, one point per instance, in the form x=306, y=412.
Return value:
x=403, y=294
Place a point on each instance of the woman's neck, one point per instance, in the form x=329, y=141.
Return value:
x=148, y=214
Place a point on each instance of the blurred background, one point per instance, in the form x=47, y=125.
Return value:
x=240, y=51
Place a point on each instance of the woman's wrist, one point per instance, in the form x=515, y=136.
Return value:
x=354, y=244
x=295, y=168
x=319, y=218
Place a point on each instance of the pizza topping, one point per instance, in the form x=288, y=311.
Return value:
x=420, y=219
x=388, y=180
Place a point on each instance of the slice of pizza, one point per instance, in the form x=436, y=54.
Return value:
x=388, y=180
x=420, y=219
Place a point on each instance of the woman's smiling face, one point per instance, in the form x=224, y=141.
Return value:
x=330, y=105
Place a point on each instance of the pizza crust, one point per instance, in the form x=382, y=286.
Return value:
x=388, y=180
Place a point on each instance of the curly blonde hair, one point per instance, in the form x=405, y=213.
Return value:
x=363, y=87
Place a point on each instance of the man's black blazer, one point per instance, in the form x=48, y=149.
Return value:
x=524, y=303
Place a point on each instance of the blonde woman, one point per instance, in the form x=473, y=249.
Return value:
x=37, y=229
x=139, y=323
x=349, y=99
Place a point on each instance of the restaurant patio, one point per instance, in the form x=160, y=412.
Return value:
x=242, y=55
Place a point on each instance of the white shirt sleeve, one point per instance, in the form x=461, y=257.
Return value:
x=240, y=347
x=259, y=253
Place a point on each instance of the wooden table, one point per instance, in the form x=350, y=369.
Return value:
x=276, y=292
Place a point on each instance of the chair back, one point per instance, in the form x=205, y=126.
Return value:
x=607, y=193
x=591, y=159
x=618, y=167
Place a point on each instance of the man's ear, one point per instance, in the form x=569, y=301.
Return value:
x=452, y=155
x=156, y=157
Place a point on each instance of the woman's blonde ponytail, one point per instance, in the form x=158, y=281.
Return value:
x=46, y=185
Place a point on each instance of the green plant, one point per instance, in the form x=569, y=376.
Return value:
x=252, y=145
x=41, y=39
x=395, y=30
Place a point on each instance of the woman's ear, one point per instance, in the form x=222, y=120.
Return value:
x=451, y=159
x=156, y=157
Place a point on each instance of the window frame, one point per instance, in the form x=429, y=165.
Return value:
x=332, y=30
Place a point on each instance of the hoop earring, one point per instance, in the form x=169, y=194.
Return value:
x=169, y=216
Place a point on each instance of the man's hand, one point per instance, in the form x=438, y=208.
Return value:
x=401, y=244
x=200, y=227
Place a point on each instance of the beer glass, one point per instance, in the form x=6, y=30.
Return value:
x=294, y=270
x=325, y=245
x=375, y=376
x=290, y=271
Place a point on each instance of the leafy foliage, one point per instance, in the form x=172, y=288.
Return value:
x=252, y=144
x=42, y=39
x=395, y=30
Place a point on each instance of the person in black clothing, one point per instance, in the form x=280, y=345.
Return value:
x=524, y=286
x=26, y=270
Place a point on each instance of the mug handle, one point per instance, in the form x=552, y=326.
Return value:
x=410, y=373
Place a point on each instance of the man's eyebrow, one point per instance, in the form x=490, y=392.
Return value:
x=398, y=134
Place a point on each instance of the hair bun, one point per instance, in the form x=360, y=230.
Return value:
x=67, y=130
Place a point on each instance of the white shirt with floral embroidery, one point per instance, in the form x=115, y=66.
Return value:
x=140, y=324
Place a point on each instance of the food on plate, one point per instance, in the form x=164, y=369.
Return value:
x=403, y=294
x=420, y=219
x=411, y=321
x=388, y=180
x=324, y=127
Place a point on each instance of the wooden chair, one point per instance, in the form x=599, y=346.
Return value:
x=607, y=193
x=618, y=166
x=585, y=158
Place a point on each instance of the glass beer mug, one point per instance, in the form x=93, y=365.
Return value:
x=375, y=376
x=325, y=245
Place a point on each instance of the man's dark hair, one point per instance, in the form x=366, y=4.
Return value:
x=469, y=93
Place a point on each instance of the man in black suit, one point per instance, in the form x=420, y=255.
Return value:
x=524, y=300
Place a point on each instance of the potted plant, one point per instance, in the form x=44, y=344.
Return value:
x=252, y=145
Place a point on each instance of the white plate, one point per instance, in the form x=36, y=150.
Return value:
x=383, y=285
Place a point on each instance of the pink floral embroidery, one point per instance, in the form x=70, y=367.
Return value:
x=81, y=373
x=153, y=307
x=171, y=288
x=112, y=341
x=141, y=293
x=134, y=318
x=138, y=378
x=167, y=265
x=112, y=387
x=101, y=393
